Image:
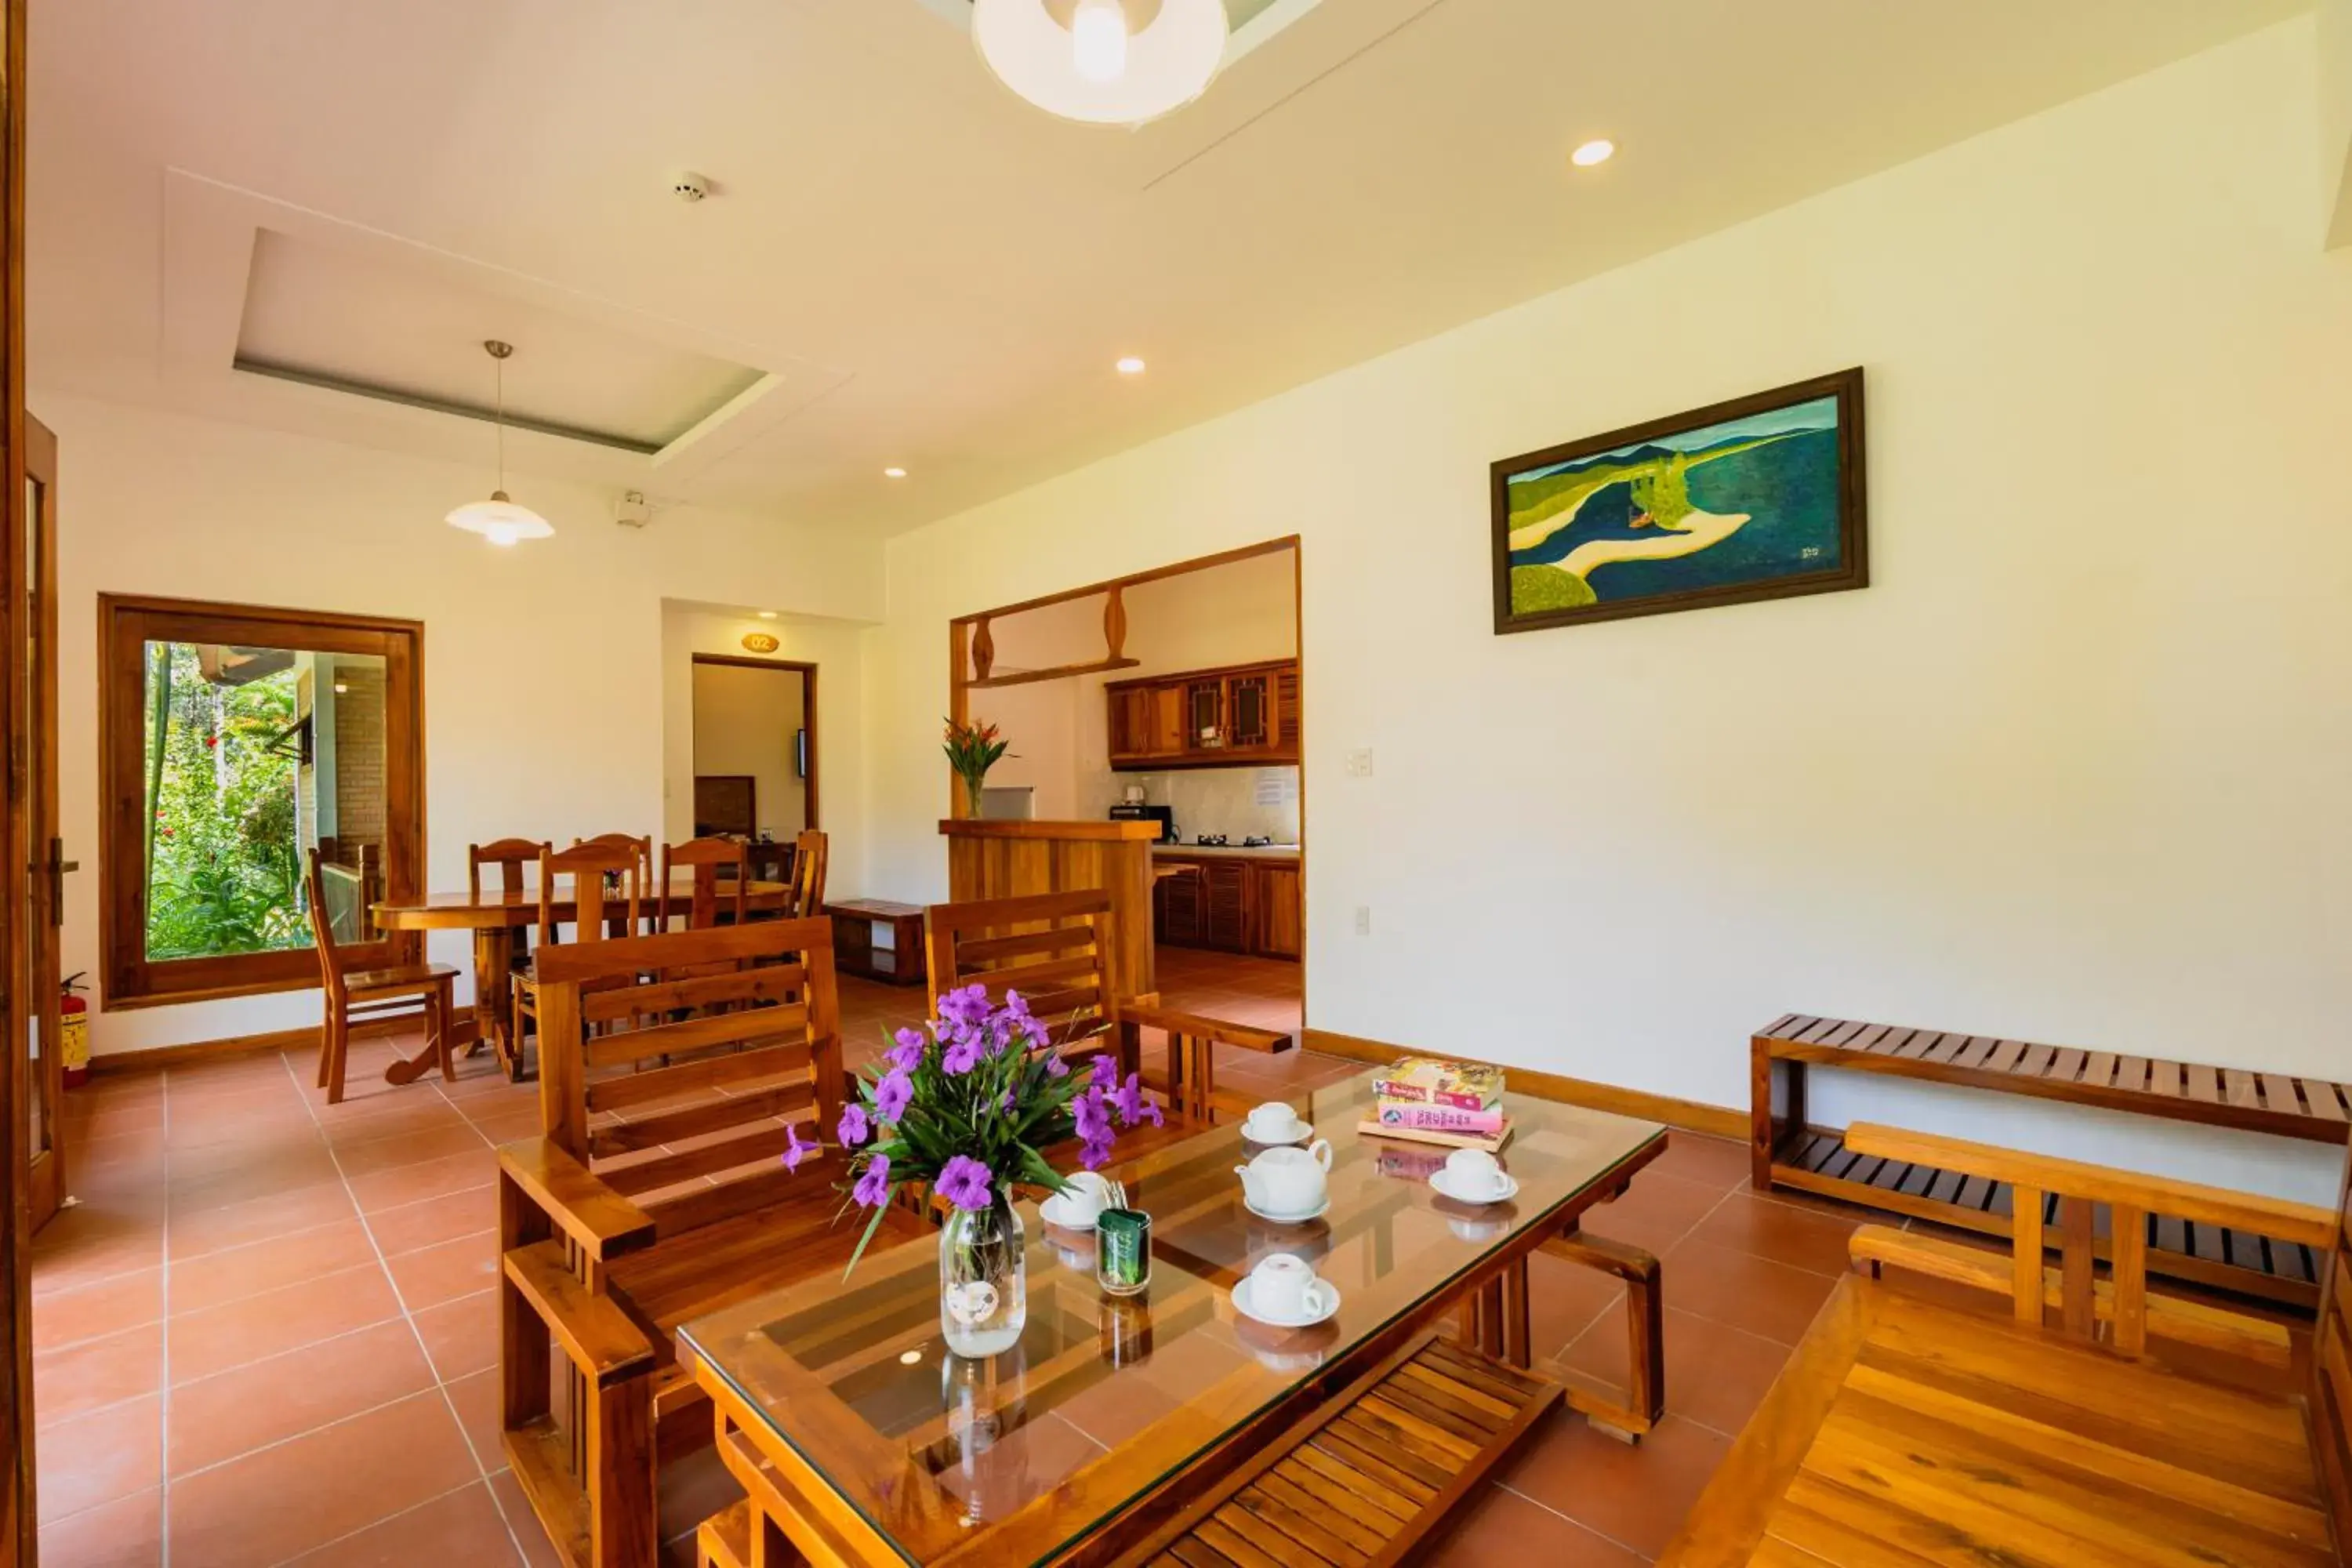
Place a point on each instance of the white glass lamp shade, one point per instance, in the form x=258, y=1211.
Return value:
x=500, y=520
x=1101, y=68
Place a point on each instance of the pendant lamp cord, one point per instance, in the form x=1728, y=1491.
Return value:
x=500, y=397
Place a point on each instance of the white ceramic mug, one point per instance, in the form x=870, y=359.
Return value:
x=1475, y=1172
x=1273, y=1123
x=1083, y=1200
x=1286, y=1288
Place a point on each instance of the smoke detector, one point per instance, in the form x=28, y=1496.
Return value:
x=632, y=511
x=689, y=187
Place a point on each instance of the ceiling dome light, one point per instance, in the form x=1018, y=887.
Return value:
x=1103, y=62
x=1592, y=153
x=1131, y=365
x=499, y=518
x=893, y=473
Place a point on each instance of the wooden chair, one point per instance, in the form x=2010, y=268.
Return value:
x=1053, y=948
x=596, y=910
x=2090, y=1421
x=643, y=849
x=721, y=870
x=810, y=851
x=508, y=855
x=372, y=996
x=631, y=1216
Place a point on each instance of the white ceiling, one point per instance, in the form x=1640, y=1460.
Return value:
x=900, y=263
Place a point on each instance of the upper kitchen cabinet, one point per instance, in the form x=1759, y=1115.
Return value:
x=1244, y=715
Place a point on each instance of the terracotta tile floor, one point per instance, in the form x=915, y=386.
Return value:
x=266, y=1334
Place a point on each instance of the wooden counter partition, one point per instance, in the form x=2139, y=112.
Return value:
x=1010, y=859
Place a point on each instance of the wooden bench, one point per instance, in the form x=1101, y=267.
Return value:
x=655, y=1195
x=1788, y=1151
x=2092, y=1422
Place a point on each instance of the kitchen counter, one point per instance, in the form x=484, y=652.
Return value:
x=1284, y=852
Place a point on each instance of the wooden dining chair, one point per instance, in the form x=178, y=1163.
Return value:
x=1055, y=949
x=598, y=912
x=643, y=849
x=806, y=896
x=369, y=995
x=508, y=855
x=721, y=877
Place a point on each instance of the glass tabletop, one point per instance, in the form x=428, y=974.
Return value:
x=1103, y=1399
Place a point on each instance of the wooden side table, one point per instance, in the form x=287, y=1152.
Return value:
x=854, y=951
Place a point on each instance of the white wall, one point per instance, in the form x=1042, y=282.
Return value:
x=537, y=660
x=837, y=647
x=2335, y=119
x=2073, y=769
x=747, y=722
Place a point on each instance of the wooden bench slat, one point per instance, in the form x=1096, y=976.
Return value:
x=2323, y=1099
x=2240, y=1086
x=2279, y=1093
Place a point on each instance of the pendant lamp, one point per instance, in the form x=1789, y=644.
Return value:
x=1106, y=62
x=499, y=518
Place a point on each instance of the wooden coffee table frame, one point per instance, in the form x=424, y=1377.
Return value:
x=792, y=1504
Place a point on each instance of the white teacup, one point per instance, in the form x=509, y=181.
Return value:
x=1286, y=1288
x=1274, y=1123
x=1083, y=1201
x=1476, y=1173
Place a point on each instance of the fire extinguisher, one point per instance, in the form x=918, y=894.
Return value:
x=73, y=1031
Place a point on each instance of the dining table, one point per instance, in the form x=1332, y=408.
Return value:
x=860, y=1438
x=501, y=920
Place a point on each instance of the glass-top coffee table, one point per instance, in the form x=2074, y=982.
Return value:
x=874, y=1444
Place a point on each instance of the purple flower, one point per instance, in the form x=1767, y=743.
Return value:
x=963, y=1054
x=966, y=1183
x=1105, y=1072
x=795, y=1150
x=907, y=1054
x=1127, y=1099
x=964, y=1009
x=1094, y=1154
x=874, y=1187
x=891, y=1095
x=1093, y=1119
x=854, y=1128
x=1056, y=1067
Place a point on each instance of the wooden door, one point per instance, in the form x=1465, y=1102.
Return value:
x=18, y=1519
x=1249, y=711
x=1176, y=903
x=33, y=744
x=1204, y=716
x=1167, y=721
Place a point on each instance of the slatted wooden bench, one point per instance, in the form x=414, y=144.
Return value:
x=1788, y=1151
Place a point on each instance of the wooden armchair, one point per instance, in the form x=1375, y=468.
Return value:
x=721, y=869
x=371, y=995
x=1053, y=948
x=2059, y=1201
x=656, y=1196
x=1906, y=1429
x=810, y=851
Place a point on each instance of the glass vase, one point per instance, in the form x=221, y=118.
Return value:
x=973, y=784
x=984, y=1280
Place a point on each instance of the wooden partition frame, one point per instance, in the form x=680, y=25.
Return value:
x=125, y=623
x=807, y=672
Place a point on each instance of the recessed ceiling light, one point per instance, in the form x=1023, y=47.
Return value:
x=767, y=614
x=893, y=473
x=1130, y=365
x=910, y=1358
x=1592, y=153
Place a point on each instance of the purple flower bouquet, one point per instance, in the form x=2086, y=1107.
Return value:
x=967, y=1106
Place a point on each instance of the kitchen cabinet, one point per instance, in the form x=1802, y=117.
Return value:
x=1238, y=716
x=1229, y=903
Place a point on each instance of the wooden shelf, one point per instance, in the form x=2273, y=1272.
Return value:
x=1058, y=672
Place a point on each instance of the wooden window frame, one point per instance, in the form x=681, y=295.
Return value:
x=126, y=624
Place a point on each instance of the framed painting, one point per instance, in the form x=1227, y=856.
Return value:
x=1761, y=498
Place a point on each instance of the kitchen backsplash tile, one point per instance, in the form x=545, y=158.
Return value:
x=1236, y=802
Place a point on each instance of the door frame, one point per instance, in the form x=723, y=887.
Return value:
x=807, y=672
x=36, y=797
x=19, y=1516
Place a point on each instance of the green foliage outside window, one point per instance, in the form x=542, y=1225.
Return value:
x=224, y=868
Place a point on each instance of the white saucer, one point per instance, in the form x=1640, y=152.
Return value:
x=1510, y=1190
x=1315, y=1213
x=1301, y=1130
x=1052, y=1212
x=1241, y=1305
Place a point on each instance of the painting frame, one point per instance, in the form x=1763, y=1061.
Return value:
x=1852, y=570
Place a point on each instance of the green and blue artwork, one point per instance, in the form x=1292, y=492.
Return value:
x=1756, y=499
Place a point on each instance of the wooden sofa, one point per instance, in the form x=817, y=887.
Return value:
x=2092, y=1423
x=669, y=1067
